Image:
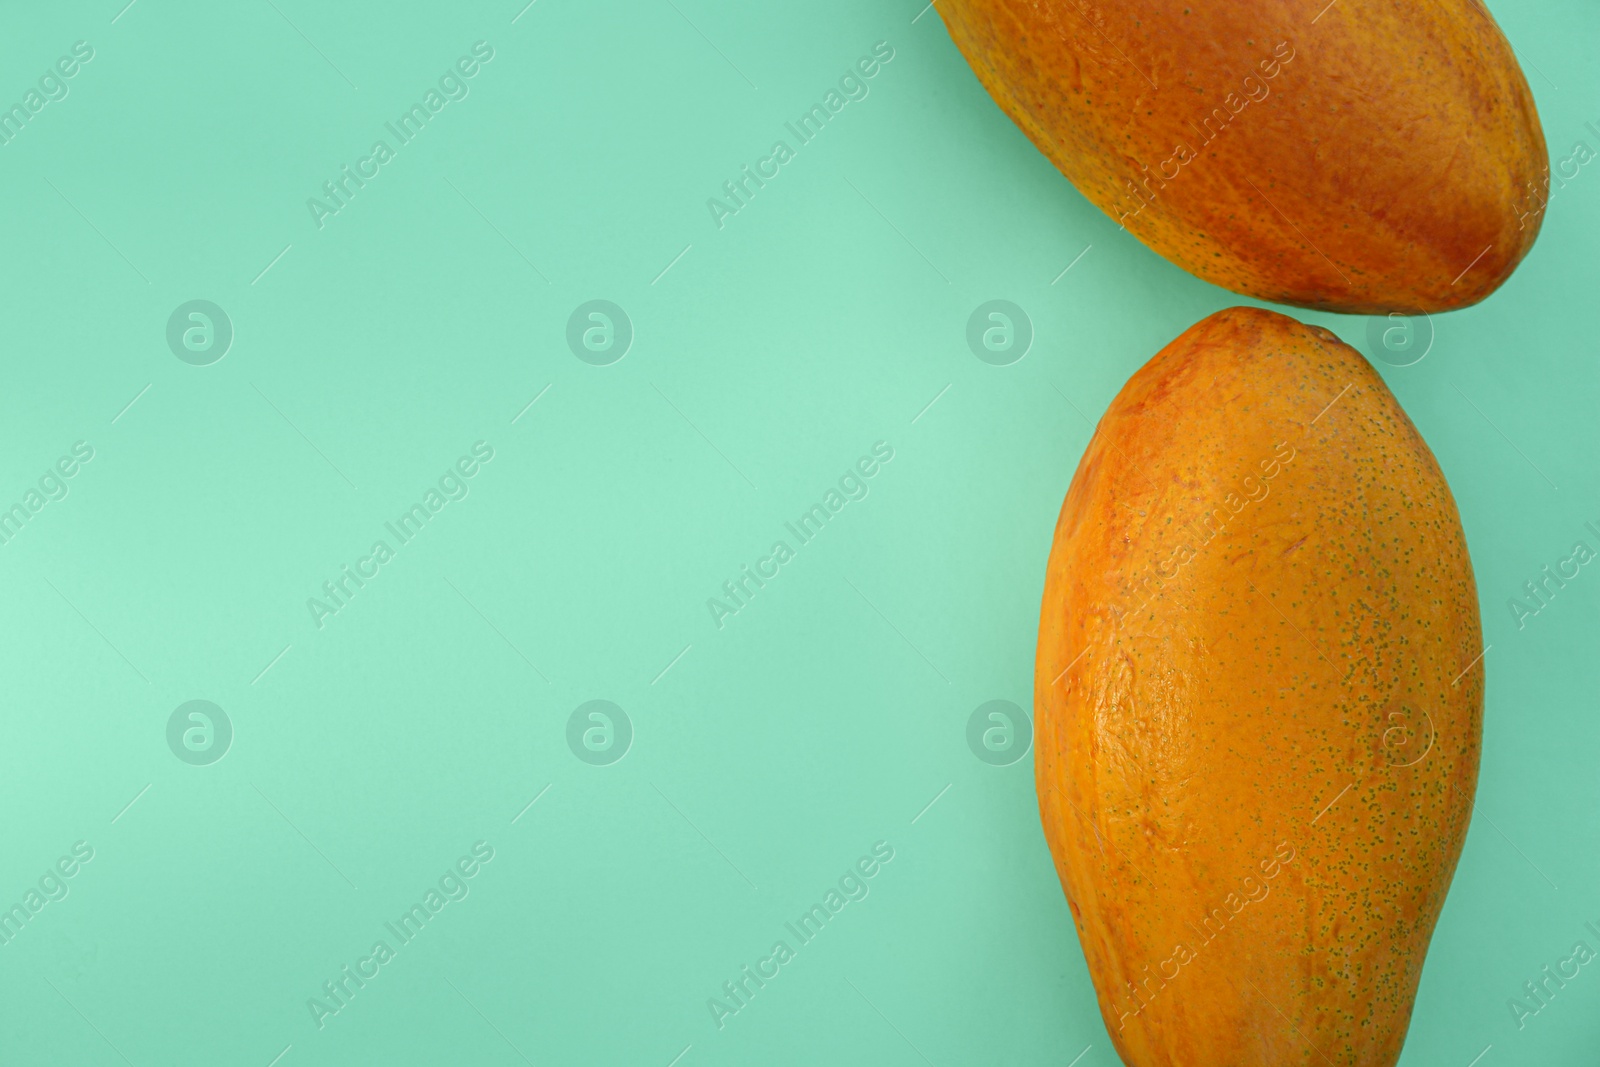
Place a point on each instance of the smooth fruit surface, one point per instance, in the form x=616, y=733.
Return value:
x=1259, y=695
x=1365, y=157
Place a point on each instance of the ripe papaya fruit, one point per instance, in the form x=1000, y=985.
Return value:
x=1259, y=700
x=1364, y=158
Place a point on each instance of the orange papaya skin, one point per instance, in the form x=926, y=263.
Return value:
x=1367, y=158
x=1259, y=701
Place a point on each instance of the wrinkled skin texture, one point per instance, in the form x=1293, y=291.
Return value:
x=1259, y=698
x=1386, y=156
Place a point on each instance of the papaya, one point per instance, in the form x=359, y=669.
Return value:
x=1364, y=158
x=1258, y=702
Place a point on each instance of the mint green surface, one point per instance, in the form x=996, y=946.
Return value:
x=373, y=752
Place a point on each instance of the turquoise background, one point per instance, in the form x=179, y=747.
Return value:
x=767, y=756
